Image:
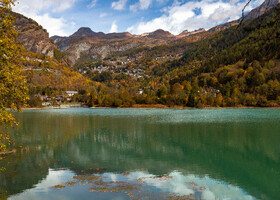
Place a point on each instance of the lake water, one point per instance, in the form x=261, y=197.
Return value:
x=118, y=154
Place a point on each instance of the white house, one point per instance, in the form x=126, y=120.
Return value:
x=71, y=93
x=46, y=104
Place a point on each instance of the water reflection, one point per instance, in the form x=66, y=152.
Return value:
x=240, y=147
x=134, y=185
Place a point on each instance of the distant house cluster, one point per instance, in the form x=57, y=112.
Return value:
x=120, y=66
x=136, y=72
x=167, y=57
x=54, y=100
x=36, y=60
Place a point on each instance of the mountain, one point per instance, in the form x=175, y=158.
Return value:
x=86, y=32
x=45, y=68
x=119, y=35
x=86, y=41
x=235, y=66
x=239, y=66
x=100, y=44
x=223, y=26
x=264, y=7
x=186, y=33
x=159, y=34
x=254, y=40
x=36, y=39
x=227, y=65
x=32, y=36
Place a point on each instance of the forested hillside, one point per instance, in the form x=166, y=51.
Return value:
x=46, y=70
x=237, y=67
x=242, y=62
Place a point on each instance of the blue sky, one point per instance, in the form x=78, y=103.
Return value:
x=64, y=17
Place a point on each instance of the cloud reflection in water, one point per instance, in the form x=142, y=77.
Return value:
x=175, y=183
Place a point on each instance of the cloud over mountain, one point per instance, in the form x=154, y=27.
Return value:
x=40, y=10
x=62, y=17
x=192, y=15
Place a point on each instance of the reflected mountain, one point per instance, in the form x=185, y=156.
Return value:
x=237, y=146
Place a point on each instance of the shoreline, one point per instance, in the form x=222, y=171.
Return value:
x=144, y=106
x=161, y=106
x=63, y=106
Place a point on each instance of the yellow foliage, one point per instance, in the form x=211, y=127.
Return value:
x=13, y=90
x=219, y=100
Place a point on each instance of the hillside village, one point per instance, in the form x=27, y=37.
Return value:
x=222, y=66
x=122, y=65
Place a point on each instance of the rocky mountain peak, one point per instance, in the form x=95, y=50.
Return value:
x=160, y=34
x=160, y=31
x=84, y=31
x=119, y=35
x=186, y=33
x=264, y=7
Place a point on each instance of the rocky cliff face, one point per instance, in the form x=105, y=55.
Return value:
x=32, y=36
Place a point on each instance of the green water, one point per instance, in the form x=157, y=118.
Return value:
x=231, y=153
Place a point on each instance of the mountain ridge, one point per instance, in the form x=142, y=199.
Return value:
x=260, y=10
x=34, y=38
x=224, y=66
x=256, y=12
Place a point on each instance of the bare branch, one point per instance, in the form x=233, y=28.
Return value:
x=243, y=16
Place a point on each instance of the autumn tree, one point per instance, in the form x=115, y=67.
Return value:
x=13, y=90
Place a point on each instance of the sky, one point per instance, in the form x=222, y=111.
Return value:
x=64, y=17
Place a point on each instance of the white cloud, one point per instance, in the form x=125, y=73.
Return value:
x=145, y=4
x=181, y=16
x=48, y=23
x=38, y=5
x=102, y=15
x=176, y=18
x=61, y=5
x=141, y=5
x=134, y=7
x=40, y=10
x=114, y=27
x=92, y=4
x=119, y=5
